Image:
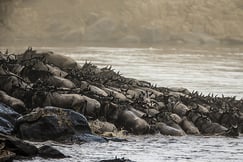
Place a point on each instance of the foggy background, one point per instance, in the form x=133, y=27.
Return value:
x=122, y=22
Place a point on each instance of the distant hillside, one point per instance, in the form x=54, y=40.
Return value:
x=121, y=21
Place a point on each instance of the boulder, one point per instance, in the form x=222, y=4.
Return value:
x=50, y=152
x=7, y=119
x=18, y=146
x=51, y=123
x=86, y=137
x=117, y=160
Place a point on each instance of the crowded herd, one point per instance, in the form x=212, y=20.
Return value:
x=47, y=96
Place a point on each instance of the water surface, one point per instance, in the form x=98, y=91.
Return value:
x=218, y=71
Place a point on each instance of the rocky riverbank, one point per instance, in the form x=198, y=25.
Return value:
x=46, y=96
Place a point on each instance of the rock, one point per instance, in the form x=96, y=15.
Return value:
x=50, y=152
x=18, y=146
x=117, y=160
x=5, y=126
x=87, y=137
x=51, y=123
x=7, y=119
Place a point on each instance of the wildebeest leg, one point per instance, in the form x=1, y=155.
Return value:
x=83, y=108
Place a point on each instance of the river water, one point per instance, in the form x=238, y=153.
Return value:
x=218, y=71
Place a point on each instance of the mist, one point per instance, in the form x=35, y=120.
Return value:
x=80, y=22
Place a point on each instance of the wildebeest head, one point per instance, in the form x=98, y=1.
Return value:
x=38, y=98
x=112, y=112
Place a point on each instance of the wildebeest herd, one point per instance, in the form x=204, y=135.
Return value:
x=46, y=96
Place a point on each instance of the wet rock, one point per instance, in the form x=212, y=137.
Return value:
x=86, y=137
x=18, y=146
x=51, y=123
x=117, y=160
x=5, y=126
x=7, y=119
x=50, y=152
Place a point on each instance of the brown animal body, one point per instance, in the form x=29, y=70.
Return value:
x=60, y=61
x=15, y=103
x=132, y=122
x=82, y=104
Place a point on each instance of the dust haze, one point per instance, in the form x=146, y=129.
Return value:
x=79, y=22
